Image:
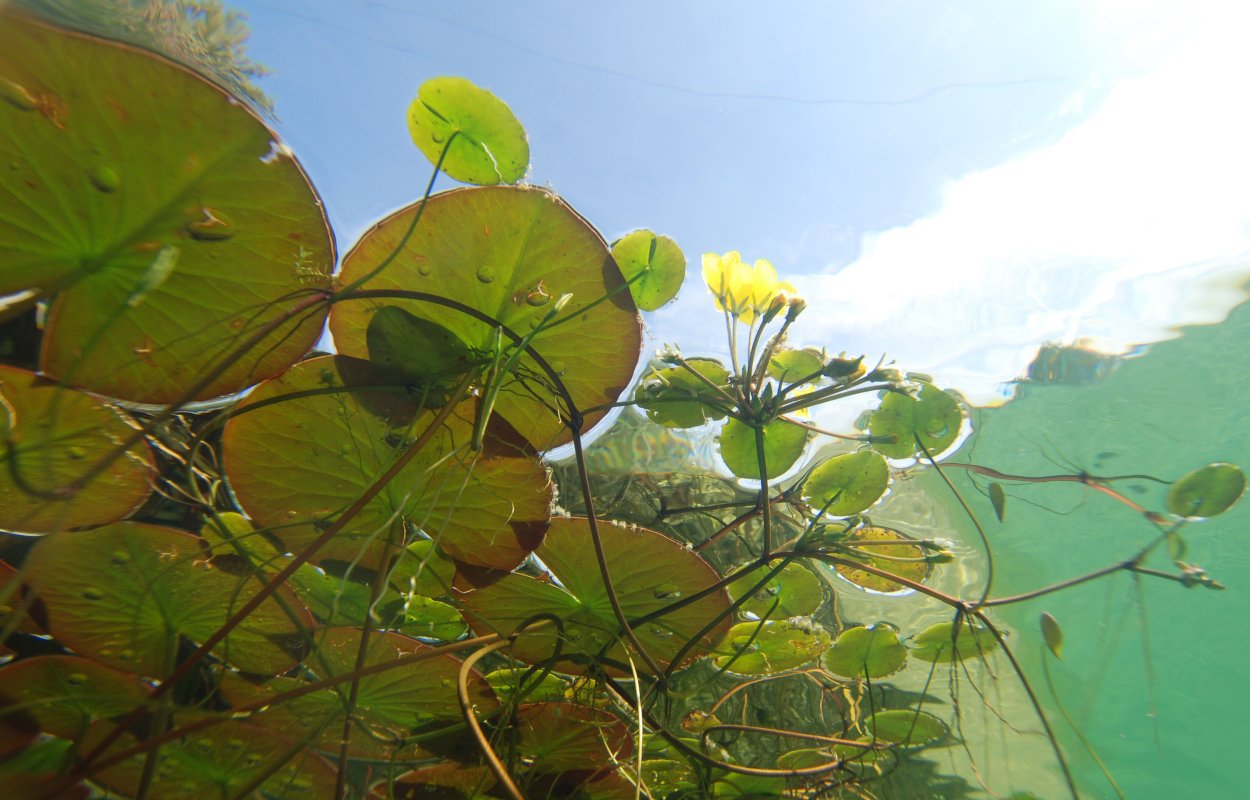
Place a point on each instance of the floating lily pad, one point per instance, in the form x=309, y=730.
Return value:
x=297, y=463
x=933, y=417
x=754, y=648
x=510, y=253
x=390, y=705
x=128, y=593
x=220, y=762
x=51, y=436
x=906, y=727
x=560, y=737
x=942, y=644
x=783, y=444
x=1207, y=491
x=659, y=262
x=164, y=215
x=792, y=592
x=65, y=694
x=847, y=484
x=676, y=398
x=649, y=572
x=882, y=556
x=872, y=652
x=490, y=145
x=789, y=366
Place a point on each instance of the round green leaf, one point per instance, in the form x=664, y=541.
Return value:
x=933, y=417
x=676, y=398
x=792, y=592
x=789, y=366
x=128, y=593
x=51, y=436
x=859, y=546
x=490, y=145
x=941, y=643
x=1207, y=491
x=305, y=446
x=754, y=648
x=65, y=694
x=390, y=705
x=848, y=483
x=903, y=726
x=654, y=266
x=873, y=652
x=559, y=737
x=783, y=444
x=221, y=761
x=164, y=214
x=510, y=253
x=649, y=572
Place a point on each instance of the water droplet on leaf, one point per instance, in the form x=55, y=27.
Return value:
x=486, y=274
x=92, y=593
x=18, y=95
x=75, y=679
x=667, y=591
x=208, y=225
x=120, y=558
x=104, y=178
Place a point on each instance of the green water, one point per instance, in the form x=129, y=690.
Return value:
x=1170, y=722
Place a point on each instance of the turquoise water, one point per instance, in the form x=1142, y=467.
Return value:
x=1154, y=678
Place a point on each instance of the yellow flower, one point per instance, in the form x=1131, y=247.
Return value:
x=744, y=291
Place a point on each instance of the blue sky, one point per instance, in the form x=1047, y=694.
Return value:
x=950, y=183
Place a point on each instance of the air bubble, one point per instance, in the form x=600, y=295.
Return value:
x=120, y=558
x=424, y=270
x=104, y=178
x=667, y=591
x=92, y=593
x=75, y=679
x=486, y=274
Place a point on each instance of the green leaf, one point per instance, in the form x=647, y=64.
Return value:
x=649, y=572
x=127, y=160
x=490, y=145
x=675, y=398
x=303, y=447
x=940, y=643
x=903, y=726
x=509, y=253
x=221, y=761
x=65, y=694
x=873, y=652
x=933, y=417
x=51, y=436
x=445, y=781
x=783, y=444
x=755, y=648
x=804, y=759
x=1052, y=634
x=390, y=705
x=998, y=499
x=560, y=737
x=848, y=483
x=794, y=591
x=859, y=547
x=789, y=366
x=128, y=593
x=1207, y=491
x=408, y=350
x=659, y=262
x=430, y=619
x=539, y=686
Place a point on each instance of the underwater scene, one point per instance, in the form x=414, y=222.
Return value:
x=648, y=400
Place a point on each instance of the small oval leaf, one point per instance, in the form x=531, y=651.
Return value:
x=998, y=499
x=1207, y=491
x=933, y=418
x=873, y=652
x=1053, y=634
x=847, y=484
x=654, y=266
x=940, y=643
x=783, y=444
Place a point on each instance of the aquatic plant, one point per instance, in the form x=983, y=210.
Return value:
x=353, y=579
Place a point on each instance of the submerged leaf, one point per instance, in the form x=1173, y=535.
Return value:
x=998, y=499
x=906, y=727
x=490, y=146
x=1052, y=634
x=1207, y=491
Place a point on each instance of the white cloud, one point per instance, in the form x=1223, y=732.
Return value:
x=1133, y=223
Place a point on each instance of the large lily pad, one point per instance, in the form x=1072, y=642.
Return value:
x=129, y=593
x=163, y=213
x=510, y=253
x=51, y=436
x=415, y=698
x=336, y=426
x=219, y=762
x=649, y=571
x=65, y=694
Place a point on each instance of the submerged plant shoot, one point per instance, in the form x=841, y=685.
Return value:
x=238, y=566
